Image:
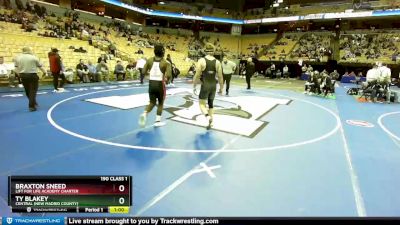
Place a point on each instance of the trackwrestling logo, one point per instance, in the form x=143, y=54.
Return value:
x=239, y=115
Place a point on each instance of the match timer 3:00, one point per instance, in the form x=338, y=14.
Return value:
x=82, y=194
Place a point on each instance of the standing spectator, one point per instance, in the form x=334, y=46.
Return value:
x=139, y=66
x=55, y=69
x=119, y=70
x=26, y=66
x=5, y=71
x=83, y=72
x=228, y=68
x=250, y=70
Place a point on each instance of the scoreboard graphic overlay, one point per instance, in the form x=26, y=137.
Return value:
x=75, y=194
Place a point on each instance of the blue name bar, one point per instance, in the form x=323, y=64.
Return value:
x=32, y=220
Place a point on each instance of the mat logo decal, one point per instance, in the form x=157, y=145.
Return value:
x=240, y=115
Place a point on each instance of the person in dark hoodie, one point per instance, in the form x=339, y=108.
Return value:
x=250, y=70
x=55, y=69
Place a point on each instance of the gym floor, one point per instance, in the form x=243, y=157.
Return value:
x=274, y=151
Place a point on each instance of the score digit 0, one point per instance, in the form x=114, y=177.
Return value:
x=121, y=188
x=121, y=200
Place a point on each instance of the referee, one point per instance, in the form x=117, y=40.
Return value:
x=250, y=70
x=228, y=68
x=26, y=64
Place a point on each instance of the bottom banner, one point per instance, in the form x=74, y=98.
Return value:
x=186, y=220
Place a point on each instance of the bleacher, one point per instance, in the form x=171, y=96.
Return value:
x=323, y=39
x=385, y=53
x=13, y=39
x=250, y=42
x=280, y=51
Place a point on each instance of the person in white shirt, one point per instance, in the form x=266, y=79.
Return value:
x=5, y=71
x=310, y=69
x=26, y=65
x=372, y=74
x=139, y=66
x=286, y=71
x=385, y=79
x=304, y=69
x=228, y=68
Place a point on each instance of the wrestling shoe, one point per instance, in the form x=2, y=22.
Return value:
x=142, y=120
x=210, y=124
x=159, y=124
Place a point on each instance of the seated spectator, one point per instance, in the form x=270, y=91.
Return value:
x=273, y=70
x=334, y=75
x=313, y=85
x=304, y=69
x=140, y=51
x=6, y=72
x=81, y=50
x=92, y=71
x=102, y=72
x=310, y=69
x=131, y=70
x=119, y=70
x=103, y=57
x=278, y=74
x=69, y=75
x=268, y=72
x=286, y=73
x=112, y=49
x=394, y=56
x=83, y=72
x=328, y=85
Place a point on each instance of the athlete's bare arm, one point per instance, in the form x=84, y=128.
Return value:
x=147, y=66
x=168, y=70
x=199, y=70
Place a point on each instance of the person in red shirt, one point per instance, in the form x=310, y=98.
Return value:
x=55, y=69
